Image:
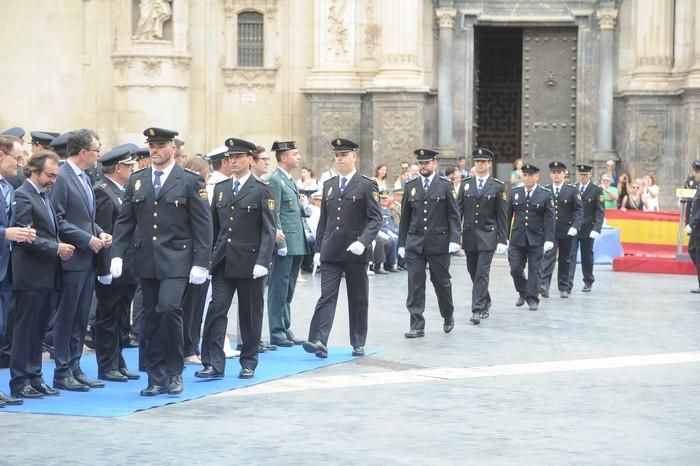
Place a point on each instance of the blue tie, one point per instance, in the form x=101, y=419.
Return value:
x=156, y=181
x=88, y=190
x=52, y=219
x=5, y=187
x=426, y=184
x=343, y=182
x=582, y=189
x=236, y=185
x=481, y=186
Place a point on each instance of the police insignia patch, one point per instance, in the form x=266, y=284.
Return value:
x=505, y=196
x=137, y=185
x=466, y=187
x=454, y=193
x=516, y=196
x=203, y=194
x=601, y=198
x=151, y=132
x=578, y=196
x=375, y=195
x=330, y=190
x=271, y=204
x=221, y=196
x=413, y=192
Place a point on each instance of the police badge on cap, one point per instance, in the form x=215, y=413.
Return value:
x=343, y=145
x=556, y=165
x=281, y=146
x=481, y=153
x=530, y=169
x=159, y=134
x=423, y=155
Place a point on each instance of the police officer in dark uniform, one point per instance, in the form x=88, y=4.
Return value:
x=113, y=295
x=482, y=204
x=531, y=210
x=243, y=214
x=693, y=224
x=428, y=234
x=568, y=211
x=166, y=218
x=593, y=200
x=349, y=221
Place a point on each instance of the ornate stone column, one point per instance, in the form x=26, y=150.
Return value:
x=401, y=37
x=446, y=21
x=604, y=130
x=654, y=44
x=694, y=78
x=468, y=68
x=684, y=48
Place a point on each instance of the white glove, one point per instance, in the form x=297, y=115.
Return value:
x=688, y=229
x=548, y=245
x=198, y=275
x=317, y=259
x=594, y=234
x=356, y=248
x=572, y=231
x=454, y=247
x=501, y=248
x=282, y=252
x=259, y=271
x=402, y=252
x=105, y=279
x=115, y=267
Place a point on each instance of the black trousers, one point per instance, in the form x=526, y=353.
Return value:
x=192, y=311
x=72, y=313
x=586, y=245
x=694, y=253
x=563, y=245
x=162, y=307
x=357, y=285
x=250, y=318
x=113, y=306
x=31, y=318
x=442, y=284
x=479, y=268
x=518, y=257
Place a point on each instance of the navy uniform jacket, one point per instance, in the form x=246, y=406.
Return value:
x=533, y=220
x=244, y=227
x=5, y=222
x=170, y=232
x=568, y=209
x=429, y=220
x=109, y=199
x=694, y=216
x=593, y=210
x=484, y=223
x=36, y=265
x=353, y=216
x=76, y=218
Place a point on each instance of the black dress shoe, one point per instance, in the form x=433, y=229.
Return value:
x=476, y=318
x=70, y=384
x=128, y=374
x=83, y=379
x=358, y=351
x=27, y=392
x=153, y=390
x=564, y=294
x=587, y=287
x=317, y=348
x=45, y=389
x=246, y=373
x=209, y=373
x=414, y=333
x=8, y=400
x=261, y=348
x=520, y=301
x=283, y=343
x=89, y=339
x=448, y=325
x=297, y=341
x=485, y=314
x=380, y=271
x=532, y=306
x=175, y=387
x=112, y=376
x=696, y=291
x=544, y=293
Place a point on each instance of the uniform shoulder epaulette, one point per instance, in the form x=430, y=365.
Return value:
x=546, y=189
x=497, y=180
x=443, y=177
x=138, y=171
x=513, y=188
x=101, y=185
x=261, y=181
x=367, y=177
x=224, y=181
x=330, y=179
x=192, y=172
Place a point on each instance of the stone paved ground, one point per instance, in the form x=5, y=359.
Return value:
x=416, y=402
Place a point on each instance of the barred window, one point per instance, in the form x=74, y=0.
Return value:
x=250, y=39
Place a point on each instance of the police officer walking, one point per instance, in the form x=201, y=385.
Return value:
x=693, y=226
x=428, y=234
x=166, y=218
x=593, y=200
x=482, y=204
x=568, y=212
x=349, y=221
x=531, y=210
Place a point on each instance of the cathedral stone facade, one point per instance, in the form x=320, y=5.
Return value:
x=572, y=80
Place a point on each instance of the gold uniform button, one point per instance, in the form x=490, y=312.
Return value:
x=155, y=214
x=477, y=206
x=425, y=219
x=476, y=221
x=155, y=202
x=338, y=208
x=337, y=228
x=230, y=218
x=155, y=238
x=228, y=240
x=425, y=228
x=184, y=246
x=337, y=218
x=425, y=211
x=425, y=202
x=525, y=223
x=155, y=227
x=230, y=229
x=477, y=213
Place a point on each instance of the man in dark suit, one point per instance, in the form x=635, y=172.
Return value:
x=482, y=200
x=568, y=212
x=165, y=217
x=531, y=214
x=36, y=271
x=243, y=216
x=113, y=295
x=291, y=245
x=593, y=200
x=73, y=200
x=428, y=234
x=692, y=227
x=349, y=221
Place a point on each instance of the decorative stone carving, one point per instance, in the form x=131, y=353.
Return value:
x=399, y=129
x=371, y=28
x=151, y=66
x=250, y=78
x=153, y=14
x=446, y=17
x=606, y=18
x=151, y=70
x=334, y=123
x=650, y=147
x=336, y=27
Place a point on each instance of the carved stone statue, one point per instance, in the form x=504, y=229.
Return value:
x=153, y=14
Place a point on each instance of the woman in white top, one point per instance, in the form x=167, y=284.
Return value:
x=307, y=182
x=650, y=194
